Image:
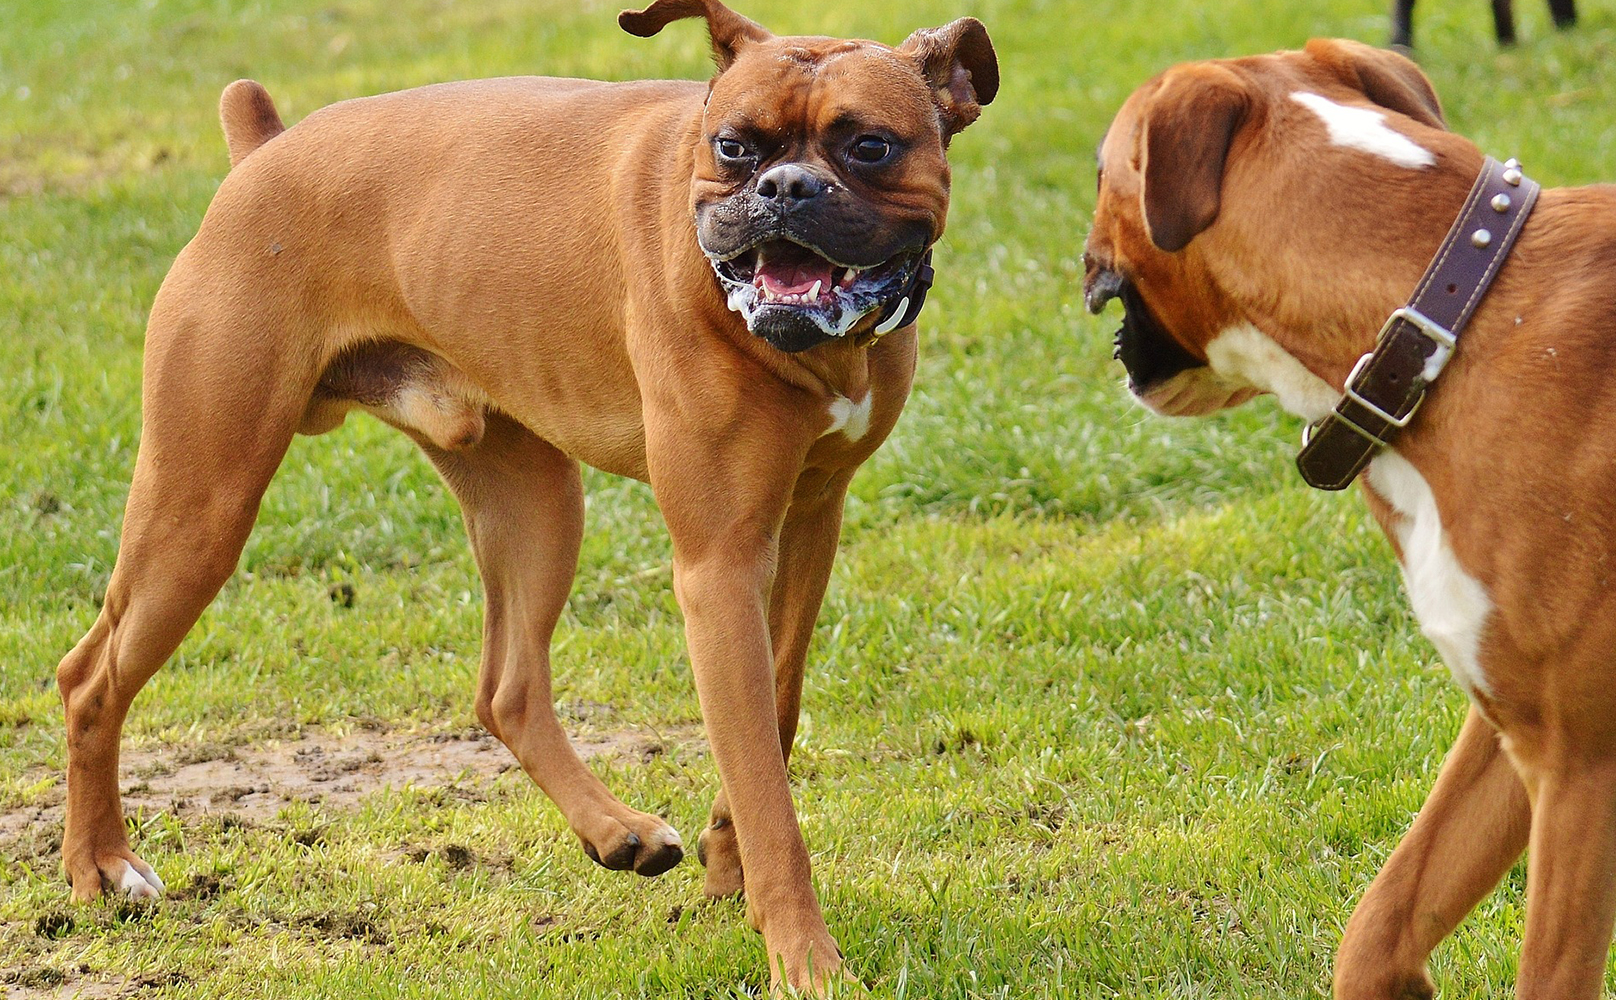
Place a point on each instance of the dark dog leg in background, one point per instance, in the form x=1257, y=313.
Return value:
x=1403, y=22
x=1504, y=22
x=1564, y=12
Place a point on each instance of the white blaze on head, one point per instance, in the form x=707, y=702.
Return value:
x=1365, y=130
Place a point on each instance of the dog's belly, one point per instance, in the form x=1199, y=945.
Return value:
x=1452, y=606
x=420, y=391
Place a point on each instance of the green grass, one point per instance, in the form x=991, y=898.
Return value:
x=1101, y=705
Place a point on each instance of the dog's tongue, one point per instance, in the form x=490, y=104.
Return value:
x=792, y=271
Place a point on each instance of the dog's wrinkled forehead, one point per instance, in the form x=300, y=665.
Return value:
x=788, y=85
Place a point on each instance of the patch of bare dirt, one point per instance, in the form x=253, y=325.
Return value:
x=50, y=984
x=254, y=782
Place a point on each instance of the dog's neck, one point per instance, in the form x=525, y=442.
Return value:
x=1321, y=293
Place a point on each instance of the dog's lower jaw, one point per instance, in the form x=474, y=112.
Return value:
x=840, y=311
x=788, y=329
x=1194, y=392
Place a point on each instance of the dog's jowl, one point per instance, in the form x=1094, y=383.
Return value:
x=1304, y=224
x=710, y=286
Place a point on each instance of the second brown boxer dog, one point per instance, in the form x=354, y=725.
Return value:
x=683, y=282
x=1261, y=218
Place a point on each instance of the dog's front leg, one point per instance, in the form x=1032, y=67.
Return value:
x=1571, y=869
x=808, y=542
x=724, y=496
x=1471, y=829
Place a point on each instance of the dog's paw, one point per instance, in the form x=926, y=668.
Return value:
x=636, y=842
x=815, y=970
x=720, y=854
x=1384, y=984
x=121, y=874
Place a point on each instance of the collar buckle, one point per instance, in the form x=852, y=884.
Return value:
x=1421, y=322
x=1429, y=328
x=1388, y=385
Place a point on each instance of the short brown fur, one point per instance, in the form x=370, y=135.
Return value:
x=1314, y=246
x=509, y=271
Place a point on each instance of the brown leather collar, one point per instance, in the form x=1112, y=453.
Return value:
x=1388, y=384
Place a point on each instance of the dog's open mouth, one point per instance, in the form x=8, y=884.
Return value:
x=777, y=284
x=1145, y=348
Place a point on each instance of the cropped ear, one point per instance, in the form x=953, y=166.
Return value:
x=1388, y=79
x=729, y=31
x=958, y=61
x=1189, y=123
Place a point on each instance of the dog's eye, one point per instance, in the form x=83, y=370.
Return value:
x=730, y=149
x=870, y=149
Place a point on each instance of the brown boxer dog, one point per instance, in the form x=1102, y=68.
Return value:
x=1260, y=218
x=683, y=282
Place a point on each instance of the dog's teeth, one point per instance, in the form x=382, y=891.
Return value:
x=813, y=293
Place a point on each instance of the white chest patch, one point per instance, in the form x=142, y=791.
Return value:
x=850, y=418
x=1452, y=605
x=1246, y=354
x=1365, y=130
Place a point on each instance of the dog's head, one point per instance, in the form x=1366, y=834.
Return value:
x=1240, y=199
x=820, y=177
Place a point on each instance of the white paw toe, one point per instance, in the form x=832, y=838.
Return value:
x=138, y=884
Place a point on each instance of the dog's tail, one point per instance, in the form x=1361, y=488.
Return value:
x=249, y=118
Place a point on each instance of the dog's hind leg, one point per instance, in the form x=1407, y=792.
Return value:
x=1471, y=829
x=1504, y=21
x=219, y=409
x=522, y=501
x=1403, y=23
x=1571, y=876
x=1564, y=13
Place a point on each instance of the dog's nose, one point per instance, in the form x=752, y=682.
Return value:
x=789, y=184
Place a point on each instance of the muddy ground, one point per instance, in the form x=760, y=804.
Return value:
x=253, y=782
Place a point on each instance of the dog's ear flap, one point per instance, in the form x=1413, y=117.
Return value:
x=958, y=61
x=1189, y=124
x=729, y=31
x=1387, y=78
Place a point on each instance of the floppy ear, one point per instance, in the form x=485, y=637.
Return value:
x=1386, y=78
x=958, y=61
x=1188, y=126
x=729, y=31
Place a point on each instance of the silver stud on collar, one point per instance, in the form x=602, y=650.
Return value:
x=1481, y=239
x=1512, y=177
x=1500, y=202
x=1512, y=164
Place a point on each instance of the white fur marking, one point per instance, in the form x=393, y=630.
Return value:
x=1452, y=605
x=1247, y=354
x=138, y=886
x=1366, y=130
x=852, y=419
